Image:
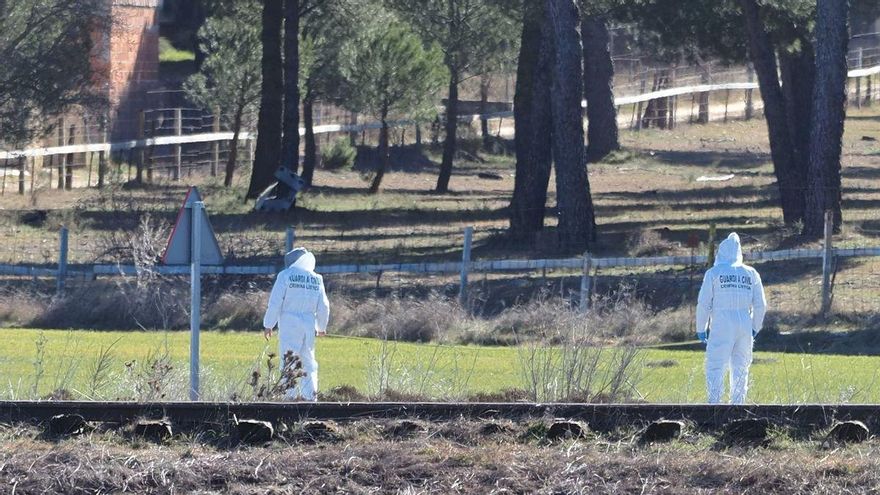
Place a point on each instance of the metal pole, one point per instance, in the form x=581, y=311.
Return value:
x=62, y=261
x=195, y=297
x=465, y=264
x=289, y=240
x=827, y=258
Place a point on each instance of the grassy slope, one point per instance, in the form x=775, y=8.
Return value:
x=228, y=358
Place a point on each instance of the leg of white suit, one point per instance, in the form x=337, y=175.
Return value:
x=718, y=352
x=740, y=360
x=302, y=343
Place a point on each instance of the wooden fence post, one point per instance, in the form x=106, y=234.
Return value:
x=642, y=86
x=68, y=159
x=586, y=283
x=750, y=106
x=178, y=149
x=33, y=173
x=21, y=172
x=141, y=154
x=62, y=261
x=5, y=171
x=102, y=156
x=710, y=258
x=61, y=159
x=827, y=263
x=465, y=265
x=289, y=239
x=215, y=146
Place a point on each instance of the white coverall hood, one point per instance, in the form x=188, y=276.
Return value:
x=730, y=251
x=300, y=258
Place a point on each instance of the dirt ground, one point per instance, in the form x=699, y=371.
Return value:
x=456, y=457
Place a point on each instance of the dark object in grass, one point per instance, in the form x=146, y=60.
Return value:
x=562, y=429
x=34, y=218
x=746, y=431
x=489, y=176
x=156, y=430
x=493, y=428
x=662, y=431
x=868, y=138
x=849, y=432
x=317, y=431
x=404, y=428
x=254, y=431
x=67, y=424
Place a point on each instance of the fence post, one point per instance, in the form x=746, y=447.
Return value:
x=711, y=245
x=68, y=159
x=139, y=162
x=63, y=158
x=215, y=146
x=586, y=283
x=102, y=155
x=465, y=264
x=21, y=171
x=639, y=104
x=827, y=262
x=62, y=261
x=178, y=154
x=750, y=106
x=289, y=240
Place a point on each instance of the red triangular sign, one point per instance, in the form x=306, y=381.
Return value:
x=179, y=248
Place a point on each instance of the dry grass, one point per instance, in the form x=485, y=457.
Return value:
x=455, y=457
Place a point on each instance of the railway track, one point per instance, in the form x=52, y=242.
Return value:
x=598, y=416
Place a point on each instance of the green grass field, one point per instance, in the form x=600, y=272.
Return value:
x=70, y=358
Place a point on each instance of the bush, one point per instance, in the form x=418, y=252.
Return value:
x=339, y=156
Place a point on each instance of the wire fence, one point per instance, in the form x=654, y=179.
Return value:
x=176, y=142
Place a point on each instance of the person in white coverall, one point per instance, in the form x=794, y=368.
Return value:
x=732, y=305
x=299, y=307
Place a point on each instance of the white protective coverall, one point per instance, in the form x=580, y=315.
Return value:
x=732, y=303
x=299, y=306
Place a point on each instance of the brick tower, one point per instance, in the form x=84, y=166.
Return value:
x=127, y=62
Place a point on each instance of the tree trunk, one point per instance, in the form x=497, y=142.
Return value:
x=449, y=145
x=598, y=89
x=789, y=179
x=485, y=83
x=311, y=156
x=290, y=141
x=233, y=147
x=384, y=155
x=573, y=201
x=797, y=71
x=266, y=155
x=829, y=113
x=532, y=123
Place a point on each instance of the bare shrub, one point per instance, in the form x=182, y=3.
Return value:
x=433, y=318
x=151, y=300
x=646, y=243
x=579, y=369
x=236, y=311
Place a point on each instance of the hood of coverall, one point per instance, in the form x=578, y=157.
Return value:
x=300, y=258
x=730, y=251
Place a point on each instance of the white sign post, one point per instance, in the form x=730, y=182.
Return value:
x=195, y=297
x=193, y=243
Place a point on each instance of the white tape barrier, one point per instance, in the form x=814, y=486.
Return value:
x=323, y=129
